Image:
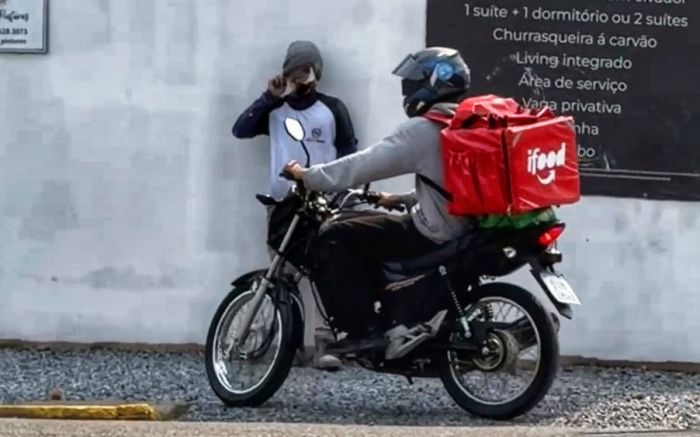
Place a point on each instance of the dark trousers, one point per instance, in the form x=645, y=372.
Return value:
x=352, y=252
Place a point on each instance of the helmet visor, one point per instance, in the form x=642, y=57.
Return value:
x=410, y=87
x=409, y=69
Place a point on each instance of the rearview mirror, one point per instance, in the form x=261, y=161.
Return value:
x=294, y=129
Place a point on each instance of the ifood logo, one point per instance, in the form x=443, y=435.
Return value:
x=538, y=163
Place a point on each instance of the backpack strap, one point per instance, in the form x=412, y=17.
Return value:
x=432, y=184
x=474, y=220
x=444, y=119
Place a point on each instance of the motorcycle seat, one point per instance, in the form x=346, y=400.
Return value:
x=431, y=259
x=396, y=269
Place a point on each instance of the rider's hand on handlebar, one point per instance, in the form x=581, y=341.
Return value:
x=293, y=171
x=390, y=202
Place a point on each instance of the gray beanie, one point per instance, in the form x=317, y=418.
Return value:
x=300, y=53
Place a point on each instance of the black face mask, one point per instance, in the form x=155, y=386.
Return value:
x=302, y=90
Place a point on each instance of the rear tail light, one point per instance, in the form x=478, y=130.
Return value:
x=551, y=235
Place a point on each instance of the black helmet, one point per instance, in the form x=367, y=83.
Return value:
x=302, y=54
x=432, y=75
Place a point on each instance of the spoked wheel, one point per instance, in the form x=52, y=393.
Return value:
x=249, y=374
x=519, y=355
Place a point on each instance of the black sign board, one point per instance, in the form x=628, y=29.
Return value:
x=627, y=70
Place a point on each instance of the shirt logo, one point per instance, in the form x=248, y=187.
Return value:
x=316, y=136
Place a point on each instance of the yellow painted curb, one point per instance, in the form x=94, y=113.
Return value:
x=81, y=412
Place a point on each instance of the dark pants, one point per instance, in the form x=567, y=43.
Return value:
x=349, y=275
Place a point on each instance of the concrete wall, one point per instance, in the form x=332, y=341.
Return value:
x=635, y=266
x=127, y=207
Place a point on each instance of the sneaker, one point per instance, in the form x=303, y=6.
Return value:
x=329, y=363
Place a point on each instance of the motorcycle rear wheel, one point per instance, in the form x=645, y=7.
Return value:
x=546, y=368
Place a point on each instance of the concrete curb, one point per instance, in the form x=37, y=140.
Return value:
x=652, y=366
x=87, y=411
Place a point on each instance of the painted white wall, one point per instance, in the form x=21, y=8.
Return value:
x=127, y=207
x=635, y=266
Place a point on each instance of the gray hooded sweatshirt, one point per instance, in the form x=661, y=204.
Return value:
x=413, y=148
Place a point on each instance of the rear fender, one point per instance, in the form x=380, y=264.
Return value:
x=536, y=267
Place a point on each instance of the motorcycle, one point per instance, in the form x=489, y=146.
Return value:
x=443, y=310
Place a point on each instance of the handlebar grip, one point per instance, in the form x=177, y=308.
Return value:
x=287, y=175
x=399, y=208
x=373, y=197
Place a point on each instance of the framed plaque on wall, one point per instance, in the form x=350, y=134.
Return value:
x=24, y=26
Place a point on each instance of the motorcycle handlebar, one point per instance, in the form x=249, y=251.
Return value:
x=372, y=197
x=288, y=176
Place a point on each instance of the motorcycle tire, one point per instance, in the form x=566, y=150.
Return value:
x=546, y=371
x=279, y=369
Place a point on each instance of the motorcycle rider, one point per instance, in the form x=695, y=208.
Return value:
x=434, y=79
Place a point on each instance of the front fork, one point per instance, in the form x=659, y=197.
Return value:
x=263, y=285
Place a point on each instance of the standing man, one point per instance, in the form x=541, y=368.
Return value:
x=293, y=93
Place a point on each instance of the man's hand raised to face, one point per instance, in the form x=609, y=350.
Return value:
x=276, y=85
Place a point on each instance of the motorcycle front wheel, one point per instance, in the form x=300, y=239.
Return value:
x=518, y=363
x=249, y=374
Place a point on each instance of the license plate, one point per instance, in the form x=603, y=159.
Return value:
x=560, y=288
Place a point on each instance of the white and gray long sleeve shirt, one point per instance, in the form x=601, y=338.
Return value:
x=414, y=147
x=325, y=119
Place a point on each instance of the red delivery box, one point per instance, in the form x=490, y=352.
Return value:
x=500, y=158
x=543, y=164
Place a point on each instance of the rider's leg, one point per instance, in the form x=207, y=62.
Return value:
x=355, y=249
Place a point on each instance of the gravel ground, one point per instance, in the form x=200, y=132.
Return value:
x=581, y=397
